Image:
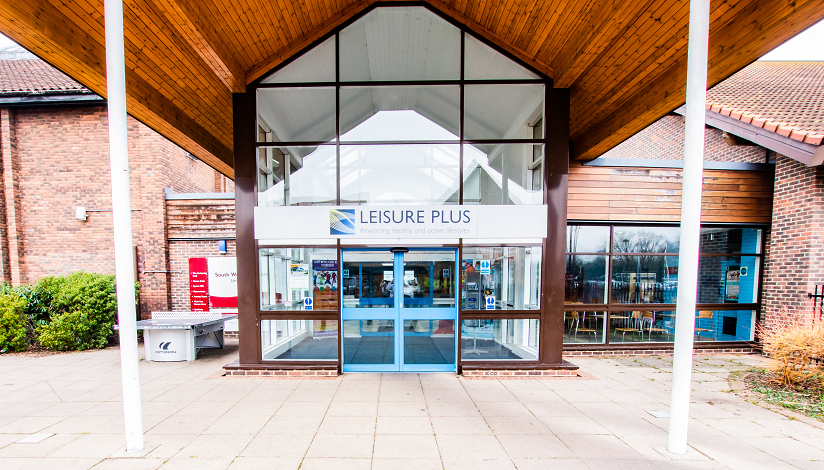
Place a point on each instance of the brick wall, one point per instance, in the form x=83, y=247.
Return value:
x=179, y=253
x=664, y=140
x=796, y=248
x=56, y=159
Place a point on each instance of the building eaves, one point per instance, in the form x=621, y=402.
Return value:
x=782, y=97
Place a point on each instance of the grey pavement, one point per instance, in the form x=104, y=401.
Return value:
x=195, y=418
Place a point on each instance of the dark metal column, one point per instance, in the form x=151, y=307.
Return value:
x=245, y=195
x=556, y=179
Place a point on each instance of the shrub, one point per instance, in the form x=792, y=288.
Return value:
x=13, y=331
x=794, y=339
x=81, y=308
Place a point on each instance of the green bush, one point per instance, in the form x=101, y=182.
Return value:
x=13, y=331
x=81, y=308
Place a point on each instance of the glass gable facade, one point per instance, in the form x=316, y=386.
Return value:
x=400, y=107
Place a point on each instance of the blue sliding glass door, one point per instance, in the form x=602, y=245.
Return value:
x=399, y=310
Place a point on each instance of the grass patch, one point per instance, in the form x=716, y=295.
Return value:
x=806, y=398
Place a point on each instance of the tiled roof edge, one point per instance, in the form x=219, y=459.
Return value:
x=780, y=128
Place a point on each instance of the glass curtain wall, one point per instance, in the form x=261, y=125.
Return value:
x=621, y=283
x=400, y=107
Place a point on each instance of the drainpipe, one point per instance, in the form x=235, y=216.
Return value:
x=690, y=224
x=122, y=223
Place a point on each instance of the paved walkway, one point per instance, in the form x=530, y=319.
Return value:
x=195, y=419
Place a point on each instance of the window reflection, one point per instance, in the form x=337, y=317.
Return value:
x=644, y=279
x=586, y=279
x=646, y=240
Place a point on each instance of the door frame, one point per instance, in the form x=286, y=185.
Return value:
x=398, y=314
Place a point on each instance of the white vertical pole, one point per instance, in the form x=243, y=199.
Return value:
x=690, y=224
x=122, y=223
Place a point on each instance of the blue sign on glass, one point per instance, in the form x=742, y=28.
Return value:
x=307, y=303
x=490, y=302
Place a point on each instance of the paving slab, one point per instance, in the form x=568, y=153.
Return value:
x=195, y=418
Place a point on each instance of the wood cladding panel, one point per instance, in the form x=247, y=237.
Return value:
x=200, y=218
x=654, y=194
x=624, y=61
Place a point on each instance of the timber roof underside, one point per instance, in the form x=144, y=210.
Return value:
x=624, y=60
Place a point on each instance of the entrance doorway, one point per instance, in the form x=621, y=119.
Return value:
x=400, y=309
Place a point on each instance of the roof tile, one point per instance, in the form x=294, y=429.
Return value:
x=34, y=76
x=781, y=96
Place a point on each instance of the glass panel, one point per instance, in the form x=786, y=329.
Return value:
x=646, y=239
x=429, y=279
x=723, y=279
x=399, y=174
x=731, y=240
x=401, y=43
x=513, y=280
x=586, y=279
x=485, y=63
x=400, y=113
x=429, y=341
x=297, y=114
x=499, y=340
x=503, y=174
x=299, y=340
x=315, y=65
x=502, y=111
x=644, y=279
x=369, y=341
x=288, y=275
x=368, y=279
x=642, y=326
x=584, y=327
x=587, y=239
x=724, y=325
x=297, y=176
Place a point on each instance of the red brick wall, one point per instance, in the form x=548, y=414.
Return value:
x=179, y=254
x=60, y=160
x=796, y=250
x=664, y=140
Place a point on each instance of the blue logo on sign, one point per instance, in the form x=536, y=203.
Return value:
x=307, y=303
x=490, y=303
x=341, y=221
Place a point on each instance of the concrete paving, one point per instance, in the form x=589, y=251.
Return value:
x=195, y=418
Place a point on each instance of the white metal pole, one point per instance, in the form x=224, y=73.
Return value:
x=122, y=223
x=690, y=224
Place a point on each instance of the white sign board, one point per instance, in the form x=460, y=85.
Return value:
x=222, y=282
x=490, y=302
x=485, y=265
x=468, y=222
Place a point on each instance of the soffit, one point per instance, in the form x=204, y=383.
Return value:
x=624, y=61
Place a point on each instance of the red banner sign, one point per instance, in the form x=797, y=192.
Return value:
x=198, y=285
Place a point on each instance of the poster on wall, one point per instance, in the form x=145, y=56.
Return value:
x=325, y=284
x=222, y=283
x=732, y=283
x=198, y=285
x=299, y=276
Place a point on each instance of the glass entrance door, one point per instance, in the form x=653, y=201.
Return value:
x=399, y=310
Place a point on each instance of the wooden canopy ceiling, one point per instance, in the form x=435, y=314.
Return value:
x=624, y=60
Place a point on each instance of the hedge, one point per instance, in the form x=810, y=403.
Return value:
x=73, y=312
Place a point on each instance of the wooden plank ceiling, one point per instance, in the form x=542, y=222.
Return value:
x=624, y=60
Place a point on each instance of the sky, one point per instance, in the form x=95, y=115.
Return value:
x=805, y=46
